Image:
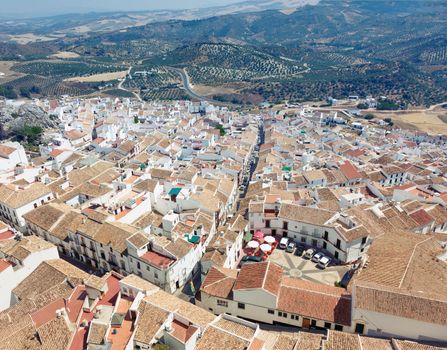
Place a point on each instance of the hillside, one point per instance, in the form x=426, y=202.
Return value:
x=329, y=48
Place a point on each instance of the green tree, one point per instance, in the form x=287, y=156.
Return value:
x=29, y=134
x=136, y=120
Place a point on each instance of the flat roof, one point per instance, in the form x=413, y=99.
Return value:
x=156, y=259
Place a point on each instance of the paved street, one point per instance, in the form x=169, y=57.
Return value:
x=297, y=267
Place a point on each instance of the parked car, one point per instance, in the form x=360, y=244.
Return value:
x=299, y=249
x=309, y=253
x=290, y=247
x=248, y=259
x=283, y=243
x=316, y=258
x=324, y=262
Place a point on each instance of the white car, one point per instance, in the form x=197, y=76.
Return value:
x=324, y=262
x=308, y=253
x=283, y=243
x=316, y=258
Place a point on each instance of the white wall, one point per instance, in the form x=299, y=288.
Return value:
x=10, y=278
x=395, y=326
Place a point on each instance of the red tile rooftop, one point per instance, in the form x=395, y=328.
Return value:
x=47, y=313
x=4, y=264
x=181, y=331
x=6, y=235
x=75, y=303
x=110, y=297
x=156, y=259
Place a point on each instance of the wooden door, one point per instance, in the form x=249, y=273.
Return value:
x=306, y=323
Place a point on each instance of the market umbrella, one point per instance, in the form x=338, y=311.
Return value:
x=259, y=235
x=269, y=239
x=253, y=244
x=265, y=248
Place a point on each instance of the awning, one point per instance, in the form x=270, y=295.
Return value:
x=253, y=244
x=248, y=237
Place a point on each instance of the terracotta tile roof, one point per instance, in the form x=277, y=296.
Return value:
x=264, y=275
x=422, y=217
x=139, y=240
x=309, y=341
x=16, y=198
x=236, y=328
x=392, y=301
x=369, y=343
x=410, y=345
x=5, y=151
x=151, y=319
x=219, y=282
x=304, y=214
x=216, y=339
x=334, y=304
x=181, y=307
x=342, y=341
x=350, y=171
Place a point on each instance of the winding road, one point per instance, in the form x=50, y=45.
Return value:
x=120, y=85
x=187, y=87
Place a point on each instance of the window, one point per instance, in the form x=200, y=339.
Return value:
x=336, y=255
x=303, y=239
x=326, y=235
x=241, y=306
x=338, y=244
x=313, y=323
x=359, y=328
x=324, y=245
x=267, y=223
x=327, y=325
x=337, y=327
x=223, y=303
x=35, y=205
x=285, y=225
x=155, y=275
x=279, y=313
x=295, y=317
x=364, y=240
x=284, y=315
x=148, y=268
x=271, y=312
x=138, y=265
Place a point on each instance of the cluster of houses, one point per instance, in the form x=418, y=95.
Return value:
x=129, y=204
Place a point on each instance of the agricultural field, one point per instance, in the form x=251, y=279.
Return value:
x=118, y=93
x=6, y=72
x=99, y=77
x=164, y=93
x=150, y=77
x=432, y=121
x=49, y=86
x=222, y=63
x=65, y=69
x=65, y=55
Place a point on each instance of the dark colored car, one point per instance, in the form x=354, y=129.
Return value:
x=299, y=249
x=250, y=259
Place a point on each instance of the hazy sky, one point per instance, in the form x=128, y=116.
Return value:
x=51, y=7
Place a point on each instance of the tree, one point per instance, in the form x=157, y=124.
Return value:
x=369, y=116
x=8, y=92
x=29, y=134
x=221, y=129
x=136, y=120
x=25, y=92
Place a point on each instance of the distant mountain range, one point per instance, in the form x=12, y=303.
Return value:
x=54, y=27
x=254, y=50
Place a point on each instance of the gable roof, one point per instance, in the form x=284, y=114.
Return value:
x=263, y=275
